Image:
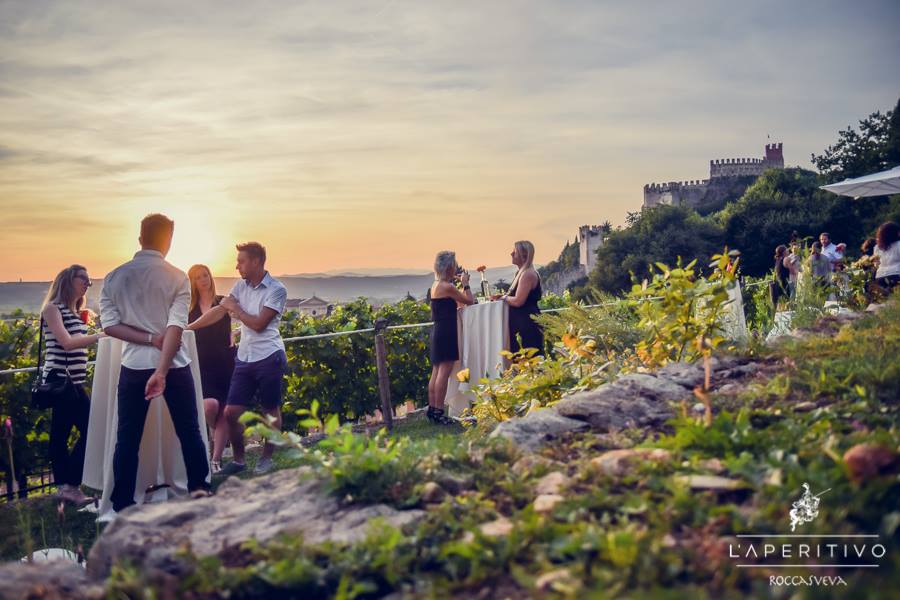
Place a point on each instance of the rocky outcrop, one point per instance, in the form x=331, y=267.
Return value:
x=53, y=580
x=634, y=400
x=258, y=509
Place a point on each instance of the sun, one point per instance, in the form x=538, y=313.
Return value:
x=203, y=237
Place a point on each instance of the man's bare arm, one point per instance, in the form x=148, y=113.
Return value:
x=127, y=333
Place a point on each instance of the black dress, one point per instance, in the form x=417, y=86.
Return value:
x=216, y=355
x=782, y=280
x=521, y=324
x=444, y=337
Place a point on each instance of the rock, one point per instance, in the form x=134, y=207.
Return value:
x=688, y=375
x=432, y=493
x=711, y=482
x=730, y=389
x=551, y=483
x=616, y=462
x=804, y=406
x=261, y=509
x=545, y=502
x=530, y=462
x=699, y=408
x=611, y=408
x=869, y=460
x=54, y=580
x=533, y=430
x=648, y=386
x=453, y=484
x=612, y=441
x=545, y=582
x=713, y=464
x=501, y=527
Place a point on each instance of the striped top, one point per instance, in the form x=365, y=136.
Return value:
x=55, y=356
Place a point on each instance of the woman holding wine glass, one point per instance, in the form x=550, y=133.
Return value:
x=445, y=298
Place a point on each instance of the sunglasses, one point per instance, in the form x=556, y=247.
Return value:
x=85, y=279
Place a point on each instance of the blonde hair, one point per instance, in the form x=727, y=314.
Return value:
x=526, y=249
x=443, y=262
x=62, y=290
x=193, y=272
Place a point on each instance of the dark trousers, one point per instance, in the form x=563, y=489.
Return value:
x=181, y=400
x=73, y=410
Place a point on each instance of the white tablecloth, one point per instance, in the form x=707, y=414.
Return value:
x=483, y=334
x=159, y=459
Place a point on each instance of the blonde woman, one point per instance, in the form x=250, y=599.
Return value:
x=523, y=296
x=66, y=340
x=215, y=353
x=445, y=299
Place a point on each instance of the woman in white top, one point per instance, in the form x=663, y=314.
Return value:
x=887, y=249
x=66, y=340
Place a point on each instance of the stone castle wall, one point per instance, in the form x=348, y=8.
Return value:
x=724, y=174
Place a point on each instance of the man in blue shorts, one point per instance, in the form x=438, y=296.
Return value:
x=257, y=301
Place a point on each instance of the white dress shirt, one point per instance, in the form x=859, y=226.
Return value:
x=888, y=260
x=149, y=294
x=270, y=293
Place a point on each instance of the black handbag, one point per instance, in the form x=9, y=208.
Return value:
x=45, y=392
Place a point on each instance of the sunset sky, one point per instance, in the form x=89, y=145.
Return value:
x=372, y=134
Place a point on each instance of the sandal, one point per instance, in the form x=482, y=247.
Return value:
x=215, y=466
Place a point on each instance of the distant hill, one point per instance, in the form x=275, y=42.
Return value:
x=333, y=288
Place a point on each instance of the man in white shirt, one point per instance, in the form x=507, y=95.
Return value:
x=144, y=302
x=829, y=250
x=257, y=301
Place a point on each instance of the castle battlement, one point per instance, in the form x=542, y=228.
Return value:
x=675, y=185
x=691, y=192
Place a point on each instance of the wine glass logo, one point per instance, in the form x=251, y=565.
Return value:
x=806, y=508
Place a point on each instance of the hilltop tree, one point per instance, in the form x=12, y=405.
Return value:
x=875, y=147
x=658, y=234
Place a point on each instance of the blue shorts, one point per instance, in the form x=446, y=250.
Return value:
x=261, y=379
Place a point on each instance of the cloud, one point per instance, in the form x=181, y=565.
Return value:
x=310, y=114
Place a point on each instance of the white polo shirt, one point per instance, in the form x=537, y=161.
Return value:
x=149, y=294
x=270, y=293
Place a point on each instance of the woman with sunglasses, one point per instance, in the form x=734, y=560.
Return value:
x=66, y=340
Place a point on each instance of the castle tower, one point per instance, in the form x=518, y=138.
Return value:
x=590, y=237
x=774, y=157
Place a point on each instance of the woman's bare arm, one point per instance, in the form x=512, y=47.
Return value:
x=53, y=319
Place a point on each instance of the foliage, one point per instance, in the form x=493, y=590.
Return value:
x=568, y=260
x=339, y=372
x=530, y=382
x=660, y=234
x=680, y=312
x=783, y=201
x=874, y=147
x=641, y=533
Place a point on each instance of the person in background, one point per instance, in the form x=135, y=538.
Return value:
x=215, y=352
x=66, y=341
x=522, y=298
x=445, y=298
x=887, y=249
x=792, y=263
x=868, y=247
x=829, y=250
x=145, y=303
x=257, y=300
x=781, y=285
x=819, y=266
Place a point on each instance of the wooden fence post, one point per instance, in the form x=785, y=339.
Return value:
x=384, y=382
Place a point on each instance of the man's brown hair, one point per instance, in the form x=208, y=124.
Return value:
x=156, y=230
x=253, y=250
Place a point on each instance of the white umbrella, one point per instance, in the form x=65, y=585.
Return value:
x=876, y=184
